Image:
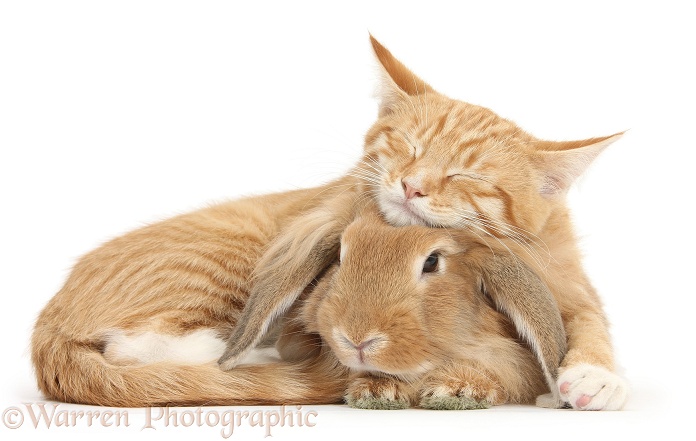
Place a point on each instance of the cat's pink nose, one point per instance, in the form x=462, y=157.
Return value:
x=410, y=191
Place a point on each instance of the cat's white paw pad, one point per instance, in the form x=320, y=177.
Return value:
x=588, y=387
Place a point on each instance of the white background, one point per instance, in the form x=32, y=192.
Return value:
x=115, y=114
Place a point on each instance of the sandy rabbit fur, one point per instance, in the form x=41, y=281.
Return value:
x=432, y=318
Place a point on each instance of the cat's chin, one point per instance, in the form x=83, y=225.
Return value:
x=400, y=216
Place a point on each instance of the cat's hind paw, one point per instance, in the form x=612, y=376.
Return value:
x=551, y=401
x=589, y=387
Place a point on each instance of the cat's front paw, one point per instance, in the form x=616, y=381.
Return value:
x=589, y=387
x=382, y=393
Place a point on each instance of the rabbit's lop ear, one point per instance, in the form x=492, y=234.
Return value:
x=521, y=295
x=298, y=256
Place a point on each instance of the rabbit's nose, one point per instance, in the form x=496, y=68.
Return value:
x=362, y=346
x=366, y=343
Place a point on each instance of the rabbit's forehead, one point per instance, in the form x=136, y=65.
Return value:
x=400, y=243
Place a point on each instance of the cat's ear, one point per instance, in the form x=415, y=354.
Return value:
x=562, y=162
x=397, y=81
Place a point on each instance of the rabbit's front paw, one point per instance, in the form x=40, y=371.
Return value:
x=370, y=392
x=449, y=401
x=589, y=387
x=468, y=390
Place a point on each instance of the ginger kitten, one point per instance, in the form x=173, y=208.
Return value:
x=141, y=319
x=435, y=161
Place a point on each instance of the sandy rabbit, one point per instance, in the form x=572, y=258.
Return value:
x=430, y=317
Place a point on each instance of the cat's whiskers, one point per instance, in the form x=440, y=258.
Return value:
x=532, y=239
x=365, y=176
x=447, y=230
x=531, y=243
x=366, y=183
x=369, y=192
x=503, y=229
x=375, y=165
x=328, y=188
x=470, y=219
x=519, y=239
x=372, y=171
x=370, y=188
x=370, y=167
x=372, y=183
x=348, y=187
x=378, y=164
x=366, y=196
x=523, y=240
x=473, y=231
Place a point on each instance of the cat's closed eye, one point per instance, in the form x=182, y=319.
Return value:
x=467, y=175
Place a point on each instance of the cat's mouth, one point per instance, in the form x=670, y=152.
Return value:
x=410, y=211
x=401, y=212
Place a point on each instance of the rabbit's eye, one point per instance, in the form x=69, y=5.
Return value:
x=431, y=263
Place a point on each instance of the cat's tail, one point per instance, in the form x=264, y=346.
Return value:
x=76, y=371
